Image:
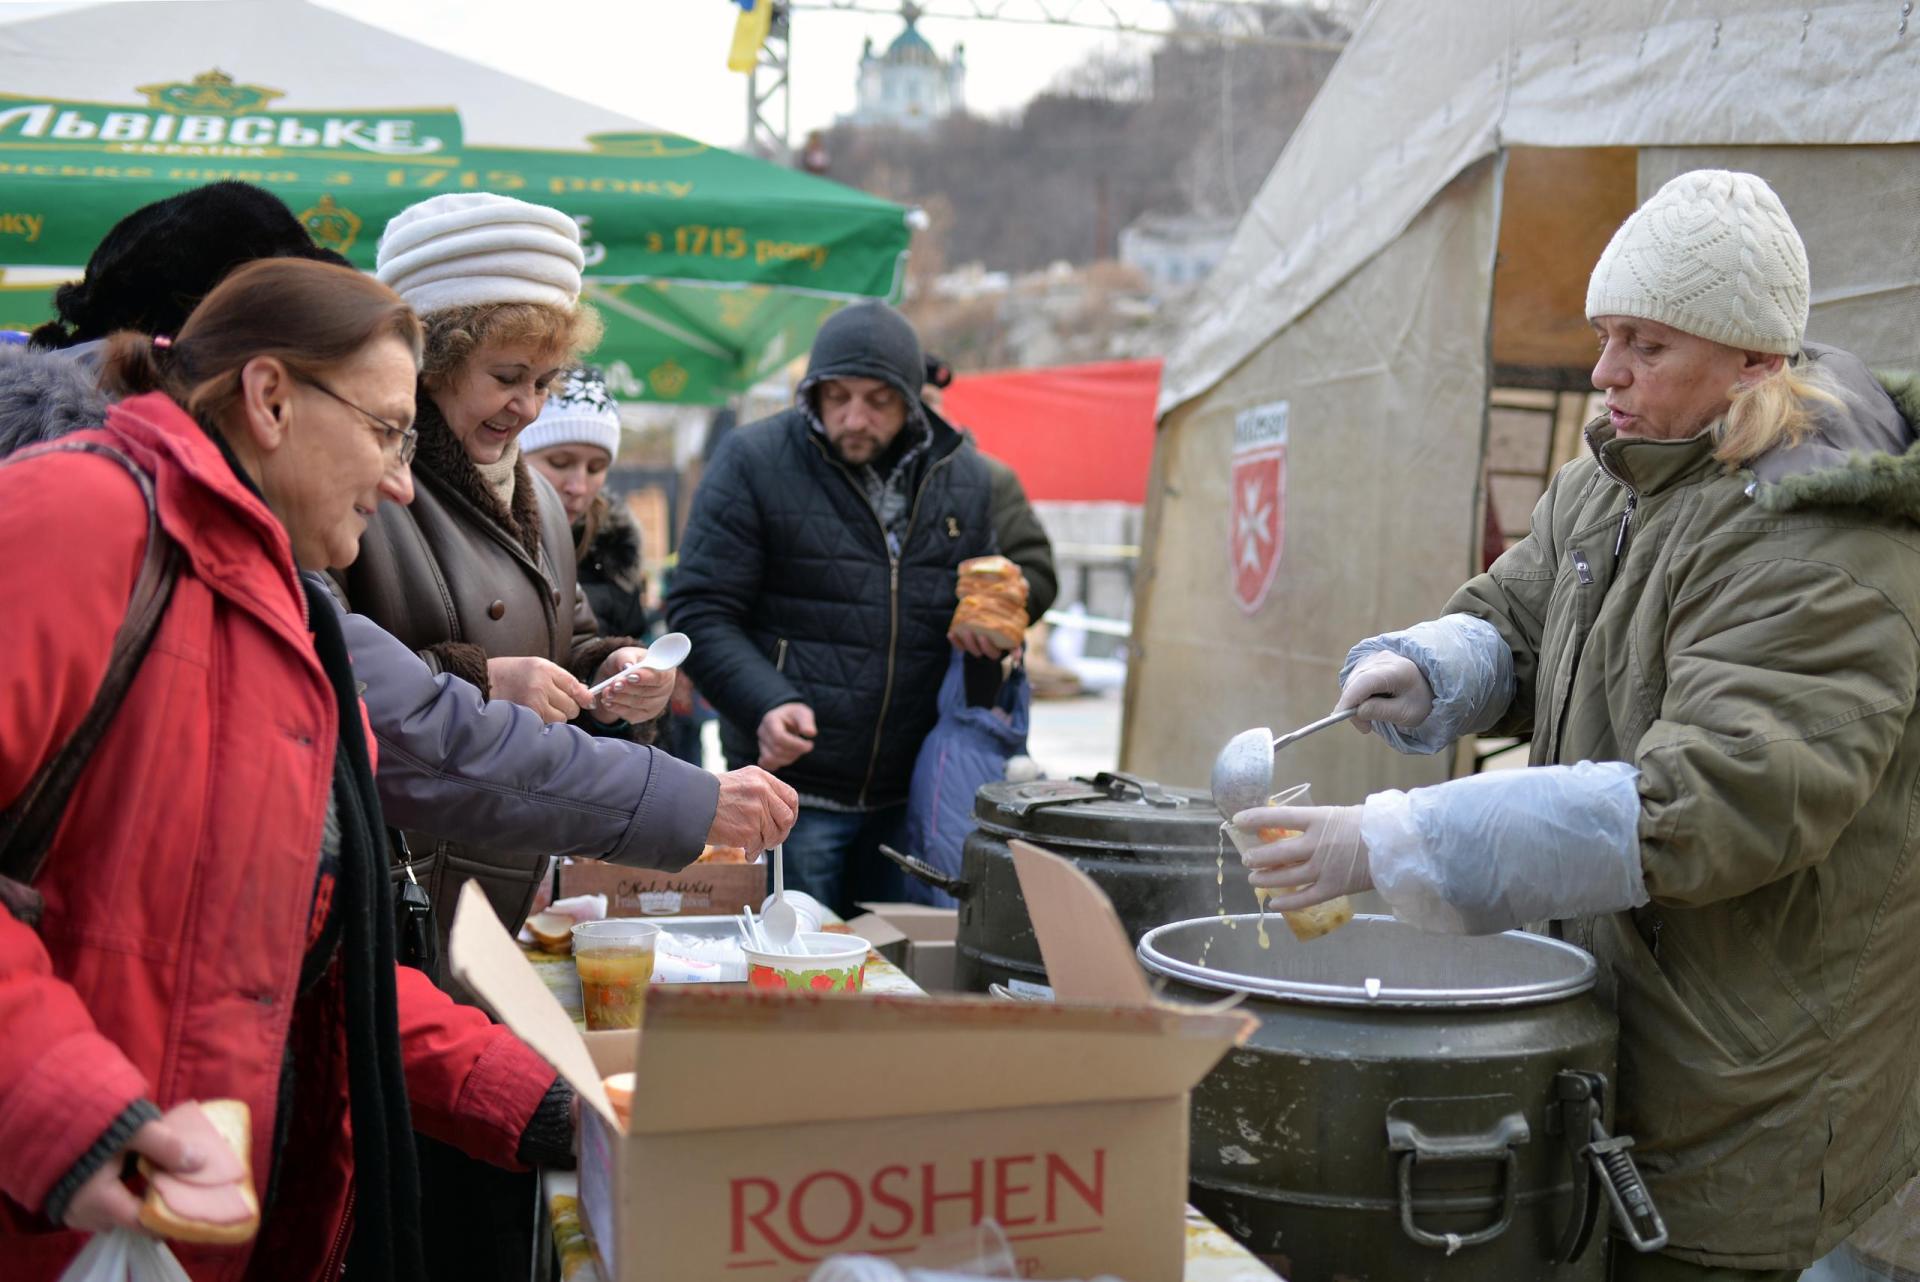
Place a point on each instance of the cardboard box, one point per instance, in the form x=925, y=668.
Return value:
x=917, y=938
x=772, y=1130
x=699, y=890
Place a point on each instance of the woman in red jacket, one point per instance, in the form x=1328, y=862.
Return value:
x=217, y=921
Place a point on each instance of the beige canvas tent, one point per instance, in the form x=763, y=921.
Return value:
x=1403, y=305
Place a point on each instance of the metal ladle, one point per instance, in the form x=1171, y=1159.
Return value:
x=1243, y=772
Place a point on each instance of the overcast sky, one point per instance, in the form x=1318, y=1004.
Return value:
x=665, y=61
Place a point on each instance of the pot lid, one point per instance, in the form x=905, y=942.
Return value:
x=1375, y=962
x=1110, y=810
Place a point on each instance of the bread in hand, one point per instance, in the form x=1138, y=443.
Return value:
x=215, y=1205
x=993, y=600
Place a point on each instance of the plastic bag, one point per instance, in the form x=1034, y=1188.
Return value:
x=1885, y=1248
x=124, y=1256
x=1491, y=852
x=1467, y=665
x=967, y=747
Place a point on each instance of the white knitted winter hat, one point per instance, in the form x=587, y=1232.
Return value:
x=476, y=247
x=1712, y=254
x=579, y=412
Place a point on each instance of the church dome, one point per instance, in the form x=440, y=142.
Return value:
x=910, y=49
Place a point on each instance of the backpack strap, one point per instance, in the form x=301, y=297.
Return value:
x=27, y=826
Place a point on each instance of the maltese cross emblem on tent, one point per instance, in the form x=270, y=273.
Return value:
x=1256, y=516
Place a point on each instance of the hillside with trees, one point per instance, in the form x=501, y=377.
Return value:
x=1192, y=127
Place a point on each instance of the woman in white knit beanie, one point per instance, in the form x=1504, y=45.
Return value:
x=1700, y=303
x=572, y=444
x=1708, y=636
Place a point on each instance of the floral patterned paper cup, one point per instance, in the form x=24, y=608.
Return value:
x=831, y=964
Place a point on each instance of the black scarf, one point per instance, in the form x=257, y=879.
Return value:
x=386, y=1244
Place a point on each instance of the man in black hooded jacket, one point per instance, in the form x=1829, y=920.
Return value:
x=816, y=581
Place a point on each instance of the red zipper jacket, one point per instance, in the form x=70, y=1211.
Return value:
x=181, y=882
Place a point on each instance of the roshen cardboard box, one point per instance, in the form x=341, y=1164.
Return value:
x=918, y=938
x=698, y=890
x=772, y=1130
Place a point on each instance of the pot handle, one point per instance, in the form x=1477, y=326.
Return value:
x=1495, y=1144
x=1601, y=1161
x=958, y=887
x=1117, y=784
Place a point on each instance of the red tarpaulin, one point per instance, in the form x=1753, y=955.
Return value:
x=1072, y=432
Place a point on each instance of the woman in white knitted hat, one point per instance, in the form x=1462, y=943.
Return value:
x=477, y=575
x=1711, y=636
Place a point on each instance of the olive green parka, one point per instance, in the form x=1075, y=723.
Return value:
x=1751, y=642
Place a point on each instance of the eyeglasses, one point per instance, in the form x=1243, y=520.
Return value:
x=401, y=442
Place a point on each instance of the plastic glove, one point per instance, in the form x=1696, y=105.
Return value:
x=1491, y=852
x=1387, y=687
x=1327, y=860
x=1469, y=674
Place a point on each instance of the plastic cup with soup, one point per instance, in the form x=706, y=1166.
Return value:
x=615, y=961
x=1306, y=923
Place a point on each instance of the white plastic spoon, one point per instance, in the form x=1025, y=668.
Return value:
x=781, y=922
x=664, y=655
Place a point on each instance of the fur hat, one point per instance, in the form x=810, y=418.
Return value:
x=1712, y=254
x=579, y=412
x=159, y=261
x=475, y=247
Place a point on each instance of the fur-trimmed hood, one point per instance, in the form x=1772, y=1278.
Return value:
x=1865, y=453
x=45, y=395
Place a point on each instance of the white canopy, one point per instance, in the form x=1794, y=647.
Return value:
x=1427, y=236
x=1425, y=89
x=336, y=60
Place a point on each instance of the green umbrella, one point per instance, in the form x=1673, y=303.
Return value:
x=710, y=268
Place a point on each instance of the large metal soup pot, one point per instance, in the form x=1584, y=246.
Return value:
x=1412, y=1107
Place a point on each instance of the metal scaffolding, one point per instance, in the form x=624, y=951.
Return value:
x=769, y=102
x=1213, y=20
x=1238, y=22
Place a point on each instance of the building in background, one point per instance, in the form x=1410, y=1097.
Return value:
x=909, y=86
x=1175, y=251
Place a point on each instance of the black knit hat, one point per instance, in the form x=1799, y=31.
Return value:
x=868, y=340
x=160, y=260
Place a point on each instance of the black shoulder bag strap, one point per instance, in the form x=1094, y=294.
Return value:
x=28, y=825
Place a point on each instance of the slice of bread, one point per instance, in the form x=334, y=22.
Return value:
x=232, y=1125
x=553, y=932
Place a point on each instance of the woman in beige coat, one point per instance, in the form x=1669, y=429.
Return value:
x=478, y=577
